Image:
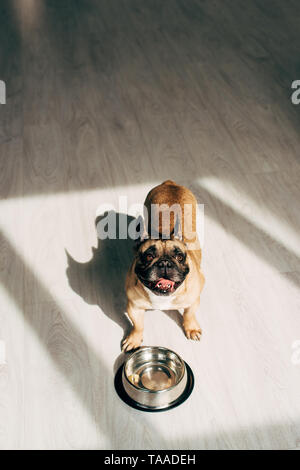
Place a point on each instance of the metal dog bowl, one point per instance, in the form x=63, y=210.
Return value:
x=155, y=378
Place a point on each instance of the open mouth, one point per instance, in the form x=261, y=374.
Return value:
x=162, y=285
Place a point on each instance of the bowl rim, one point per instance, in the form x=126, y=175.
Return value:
x=146, y=390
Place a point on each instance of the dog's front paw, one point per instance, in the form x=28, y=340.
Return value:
x=192, y=329
x=133, y=341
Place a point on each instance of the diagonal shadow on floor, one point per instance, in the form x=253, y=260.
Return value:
x=253, y=237
x=92, y=362
x=88, y=360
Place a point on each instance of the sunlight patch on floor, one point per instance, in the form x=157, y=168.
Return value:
x=29, y=13
x=258, y=215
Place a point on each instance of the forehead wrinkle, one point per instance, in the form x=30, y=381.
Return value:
x=176, y=245
x=153, y=244
x=160, y=248
x=168, y=247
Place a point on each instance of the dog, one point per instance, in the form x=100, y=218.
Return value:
x=166, y=270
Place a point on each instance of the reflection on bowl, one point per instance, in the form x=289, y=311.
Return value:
x=154, y=376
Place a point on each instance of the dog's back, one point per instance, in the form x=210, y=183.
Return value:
x=171, y=210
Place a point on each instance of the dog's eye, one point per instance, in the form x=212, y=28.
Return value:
x=149, y=257
x=179, y=257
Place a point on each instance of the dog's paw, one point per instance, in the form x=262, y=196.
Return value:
x=192, y=330
x=133, y=341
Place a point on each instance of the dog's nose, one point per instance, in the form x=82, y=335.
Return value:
x=164, y=263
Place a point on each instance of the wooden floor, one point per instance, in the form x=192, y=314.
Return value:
x=106, y=99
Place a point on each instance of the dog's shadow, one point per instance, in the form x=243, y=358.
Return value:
x=101, y=281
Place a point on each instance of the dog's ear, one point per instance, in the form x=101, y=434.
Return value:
x=141, y=233
x=139, y=241
x=177, y=231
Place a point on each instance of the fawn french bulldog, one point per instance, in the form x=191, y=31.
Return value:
x=166, y=270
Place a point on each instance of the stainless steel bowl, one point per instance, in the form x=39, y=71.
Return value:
x=154, y=377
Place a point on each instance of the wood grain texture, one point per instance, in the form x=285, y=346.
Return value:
x=107, y=99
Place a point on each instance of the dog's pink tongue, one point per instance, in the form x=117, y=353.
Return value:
x=165, y=284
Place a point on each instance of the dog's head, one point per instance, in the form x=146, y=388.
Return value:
x=162, y=265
